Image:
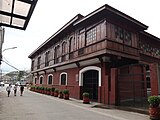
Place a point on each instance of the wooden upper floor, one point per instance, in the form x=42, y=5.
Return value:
x=105, y=31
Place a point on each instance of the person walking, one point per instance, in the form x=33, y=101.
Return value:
x=21, y=89
x=15, y=89
x=8, y=89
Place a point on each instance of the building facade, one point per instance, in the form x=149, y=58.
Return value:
x=106, y=53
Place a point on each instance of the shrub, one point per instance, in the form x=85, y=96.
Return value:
x=52, y=89
x=56, y=90
x=42, y=88
x=85, y=94
x=45, y=88
x=154, y=101
x=48, y=89
x=65, y=91
x=32, y=87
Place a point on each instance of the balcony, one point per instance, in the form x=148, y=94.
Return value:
x=122, y=48
x=102, y=47
x=108, y=45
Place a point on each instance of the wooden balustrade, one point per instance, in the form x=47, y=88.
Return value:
x=107, y=44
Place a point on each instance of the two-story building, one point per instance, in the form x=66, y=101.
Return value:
x=106, y=53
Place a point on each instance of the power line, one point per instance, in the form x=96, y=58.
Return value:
x=5, y=59
x=10, y=65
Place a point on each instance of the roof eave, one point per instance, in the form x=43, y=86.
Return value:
x=115, y=11
x=150, y=35
x=58, y=32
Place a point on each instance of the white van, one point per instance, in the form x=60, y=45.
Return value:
x=1, y=83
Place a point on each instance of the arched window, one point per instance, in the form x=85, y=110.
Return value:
x=32, y=66
x=39, y=62
x=35, y=80
x=50, y=79
x=63, y=79
x=40, y=79
x=71, y=44
x=57, y=54
x=64, y=51
x=47, y=55
x=64, y=48
x=81, y=41
x=57, y=51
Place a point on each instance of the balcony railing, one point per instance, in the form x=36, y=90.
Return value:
x=123, y=48
x=104, y=44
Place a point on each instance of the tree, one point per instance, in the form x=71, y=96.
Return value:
x=20, y=75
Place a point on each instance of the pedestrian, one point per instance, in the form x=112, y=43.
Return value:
x=8, y=89
x=21, y=89
x=15, y=89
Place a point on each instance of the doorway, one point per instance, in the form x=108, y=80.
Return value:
x=132, y=86
x=90, y=83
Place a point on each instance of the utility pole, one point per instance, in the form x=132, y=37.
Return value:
x=1, y=42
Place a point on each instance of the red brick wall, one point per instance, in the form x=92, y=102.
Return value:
x=103, y=90
x=73, y=84
x=154, y=78
x=131, y=82
x=113, y=92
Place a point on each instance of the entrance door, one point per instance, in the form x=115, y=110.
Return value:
x=132, y=90
x=90, y=83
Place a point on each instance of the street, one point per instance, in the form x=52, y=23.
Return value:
x=35, y=106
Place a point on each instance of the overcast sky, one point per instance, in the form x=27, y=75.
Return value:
x=50, y=15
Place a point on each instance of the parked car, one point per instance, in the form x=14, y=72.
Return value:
x=21, y=82
x=2, y=84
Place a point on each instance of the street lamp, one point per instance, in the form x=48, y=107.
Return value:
x=1, y=56
x=8, y=48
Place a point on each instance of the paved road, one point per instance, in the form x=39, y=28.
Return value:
x=35, y=106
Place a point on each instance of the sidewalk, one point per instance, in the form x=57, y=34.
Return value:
x=121, y=114
x=123, y=108
x=16, y=108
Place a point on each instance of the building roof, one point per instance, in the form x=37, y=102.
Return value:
x=150, y=35
x=102, y=12
x=63, y=29
x=16, y=13
x=109, y=11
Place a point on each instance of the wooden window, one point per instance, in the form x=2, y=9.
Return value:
x=80, y=51
x=122, y=35
x=72, y=47
x=50, y=77
x=35, y=80
x=38, y=62
x=56, y=54
x=91, y=36
x=32, y=68
x=76, y=40
x=81, y=41
x=64, y=48
x=63, y=79
x=57, y=51
x=41, y=80
x=71, y=44
x=127, y=37
x=47, y=58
